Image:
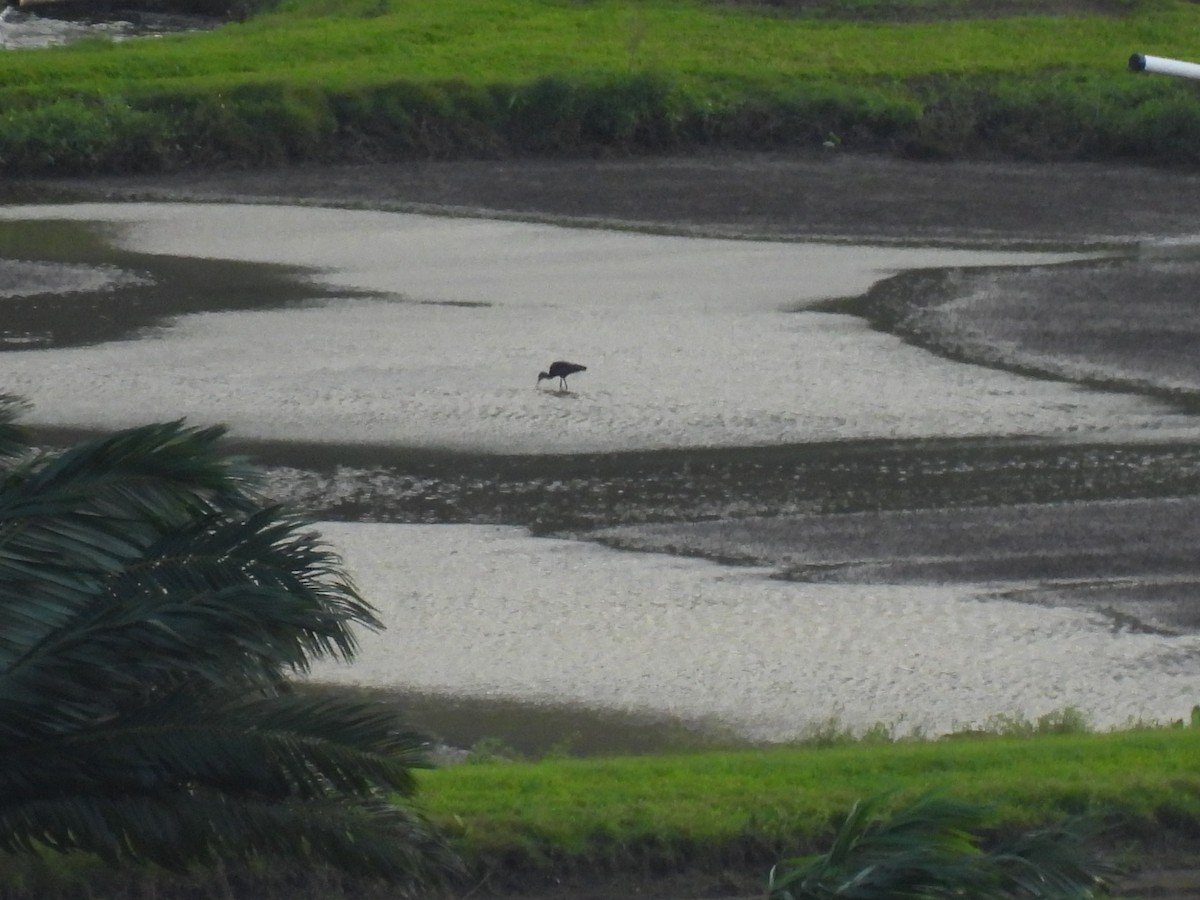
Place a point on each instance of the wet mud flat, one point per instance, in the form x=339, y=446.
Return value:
x=1106, y=527
x=1111, y=528
x=1130, y=560
x=928, y=506
x=580, y=492
x=1126, y=322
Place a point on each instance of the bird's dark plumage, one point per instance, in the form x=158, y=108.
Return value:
x=560, y=370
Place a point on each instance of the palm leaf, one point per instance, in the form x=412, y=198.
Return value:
x=151, y=608
x=14, y=440
x=1057, y=861
x=193, y=779
x=285, y=747
x=374, y=837
x=930, y=850
x=224, y=602
x=68, y=523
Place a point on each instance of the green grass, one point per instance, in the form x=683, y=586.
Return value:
x=723, y=806
x=520, y=824
x=514, y=41
x=320, y=80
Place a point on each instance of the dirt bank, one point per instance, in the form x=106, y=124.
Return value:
x=738, y=194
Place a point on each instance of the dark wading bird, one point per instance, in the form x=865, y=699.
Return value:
x=561, y=370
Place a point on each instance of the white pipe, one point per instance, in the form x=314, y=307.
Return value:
x=1139, y=62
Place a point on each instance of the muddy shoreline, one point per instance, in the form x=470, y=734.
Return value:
x=749, y=194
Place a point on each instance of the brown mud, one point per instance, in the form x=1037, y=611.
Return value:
x=829, y=195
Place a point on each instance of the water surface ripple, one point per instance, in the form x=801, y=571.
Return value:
x=902, y=535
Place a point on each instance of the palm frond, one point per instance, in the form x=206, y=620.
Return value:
x=67, y=523
x=913, y=854
x=929, y=850
x=14, y=439
x=1058, y=861
x=232, y=602
x=375, y=837
x=164, y=472
x=285, y=747
x=151, y=608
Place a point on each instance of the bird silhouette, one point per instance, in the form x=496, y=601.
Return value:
x=560, y=370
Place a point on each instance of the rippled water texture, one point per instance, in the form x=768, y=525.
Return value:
x=568, y=621
x=688, y=342
x=395, y=356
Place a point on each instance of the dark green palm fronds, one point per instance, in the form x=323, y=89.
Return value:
x=152, y=607
x=191, y=780
x=373, y=837
x=1056, y=861
x=286, y=745
x=218, y=602
x=69, y=523
x=161, y=473
x=931, y=850
x=218, y=595
x=13, y=438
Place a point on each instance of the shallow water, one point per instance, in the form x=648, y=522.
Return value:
x=719, y=386
x=688, y=342
x=488, y=612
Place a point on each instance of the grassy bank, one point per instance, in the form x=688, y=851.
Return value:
x=734, y=805
x=315, y=80
x=524, y=824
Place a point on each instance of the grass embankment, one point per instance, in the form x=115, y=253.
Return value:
x=523, y=824
x=738, y=813
x=732, y=809
x=318, y=80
